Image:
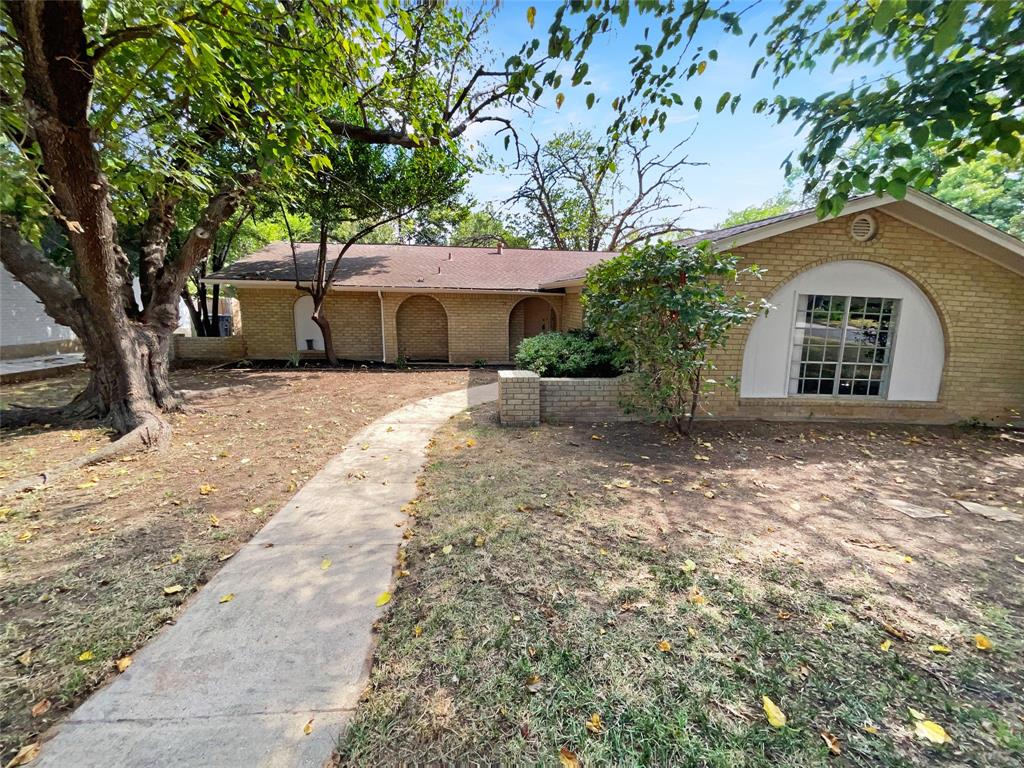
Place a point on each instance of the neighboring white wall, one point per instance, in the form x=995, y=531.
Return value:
x=917, y=357
x=22, y=318
x=305, y=328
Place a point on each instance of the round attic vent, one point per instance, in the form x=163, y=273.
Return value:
x=863, y=228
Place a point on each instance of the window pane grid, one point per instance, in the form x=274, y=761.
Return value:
x=842, y=345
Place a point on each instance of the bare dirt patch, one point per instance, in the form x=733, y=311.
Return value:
x=84, y=562
x=667, y=584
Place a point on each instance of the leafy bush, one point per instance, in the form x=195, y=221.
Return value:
x=574, y=354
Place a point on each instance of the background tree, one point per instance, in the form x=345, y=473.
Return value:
x=669, y=308
x=361, y=188
x=484, y=227
x=586, y=194
x=959, y=87
x=783, y=202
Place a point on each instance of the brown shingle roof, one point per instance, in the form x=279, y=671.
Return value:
x=417, y=266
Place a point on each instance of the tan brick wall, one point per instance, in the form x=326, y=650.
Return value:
x=572, y=313
x=518, y=398
x=980, y=304
x=209, y=347
x=422, y=327
x=268, y=323
x=569, y=400
x=478, y=323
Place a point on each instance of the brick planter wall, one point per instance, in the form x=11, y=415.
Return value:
x=209, y=347
x=525, y=399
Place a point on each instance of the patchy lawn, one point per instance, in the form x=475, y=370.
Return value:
x=618, y=596
x=84, y=563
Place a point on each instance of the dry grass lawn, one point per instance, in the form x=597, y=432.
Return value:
x=84, y=562
x=614, y=595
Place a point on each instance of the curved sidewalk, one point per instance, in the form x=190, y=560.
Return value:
x=234, y=684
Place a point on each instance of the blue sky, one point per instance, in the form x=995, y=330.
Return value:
x=743, y=151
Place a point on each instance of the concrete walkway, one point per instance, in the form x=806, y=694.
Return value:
x=39, y=367
x=234, y=684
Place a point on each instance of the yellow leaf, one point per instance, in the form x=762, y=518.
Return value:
x=870, y=729
x=982, y=643
x=384, y=599
x=709, y=494
x=25, y=755
x=594, y=723
x=775, y=717
x=176, y=558
x=85, y=656
x=534, y=683
x=701, y=457
x=25, y=536
x=173, y=589
x=597, y=437
x=916, y=713
x=531, y=15
x=479, y=541
x=325, y=564
x=41, y=708
x=214, y=521
x=559, y=100
x=688, y=566
x=26, y=658
x=933, y=732
x=90, y=483
x=417, y=631
x=308, y=727
x=831, y=742
x=939, y=649
x=886, y=645
x=568, y=758
x=623, y=484
x=227, y=598
x=470, y=443
x=696, y=597
x=256, y=511
x=664, y=646
x=446, y=549
x=123, y=663
x=206, y=489
x=908, y=559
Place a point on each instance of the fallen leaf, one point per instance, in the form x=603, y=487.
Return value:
x=936, y=648
x=470, y=443
x=25, y=536
x=709, y=494
x=26, y=658
x=568, y=758
x=982, y=643
x=446, y=549
x=776, y=719
x=688, y=566
x=41, y=708
x=916, y=713
x=26, y=755
x=479, y=541
x=417, y=631
x=214, y=521
x=933, y=732
x=91, y=483
x=325, y=564
x=831, y=742
x=173, y=589
x=695, y=596
x=534, y=683
x=227, y=598
x=596, y=437
x=206, y=489
x=175, y=559
x=664, y=646
x=384, y=599
x=224, y=558
x=886, y=645
x=870, y=729
x=308, y=727
x=594, y=723
x=123, y=663
x=86, y=656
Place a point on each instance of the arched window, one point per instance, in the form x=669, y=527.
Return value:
x=307, y=333
x=846, y=329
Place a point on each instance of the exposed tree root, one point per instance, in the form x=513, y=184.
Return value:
x=191, y=395
x=153, y=434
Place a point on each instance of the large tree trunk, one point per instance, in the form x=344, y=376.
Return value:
x=126, y=347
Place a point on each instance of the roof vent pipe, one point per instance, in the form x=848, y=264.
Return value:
x=501, y=247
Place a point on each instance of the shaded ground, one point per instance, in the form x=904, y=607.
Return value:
x=548, y=582
x=84, y=563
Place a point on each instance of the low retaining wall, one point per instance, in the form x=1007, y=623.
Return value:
x=209, y=347
x=526, y=399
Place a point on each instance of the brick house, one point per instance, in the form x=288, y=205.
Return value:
x=906, y=310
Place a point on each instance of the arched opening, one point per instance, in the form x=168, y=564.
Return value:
x=307, y=333
x=529, y=317
x=422, y=330
x=846, y=328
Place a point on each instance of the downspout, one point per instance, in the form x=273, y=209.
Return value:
x=383, y=334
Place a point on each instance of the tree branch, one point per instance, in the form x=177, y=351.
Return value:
x=30, y=266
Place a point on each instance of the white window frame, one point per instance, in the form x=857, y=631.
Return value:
x=797, y=345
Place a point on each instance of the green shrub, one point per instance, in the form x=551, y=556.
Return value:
x=574, y=354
